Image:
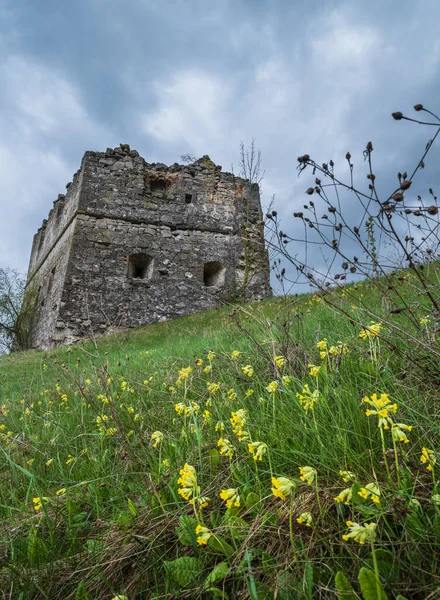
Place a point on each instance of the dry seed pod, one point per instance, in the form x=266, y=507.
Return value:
x=397, y=115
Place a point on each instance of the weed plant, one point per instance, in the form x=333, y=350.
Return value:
x=282, y=451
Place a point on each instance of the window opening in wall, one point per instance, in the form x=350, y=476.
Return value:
x=213, y=274
x=158, y=185
x=51, y=278
x=188, y=198
x=140, y=266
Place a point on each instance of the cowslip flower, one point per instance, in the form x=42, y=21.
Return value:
x=207, y=369
x=371, y=331
x=235, y=354
x=286, y=380
x=188, y=481
x=257, y=449
x=232, y=395
x=248, y=370
x=313, y=370
x=322, y=347
x=398, y=432
x=307, y=474
x=282, y=487
x=157, y=436
x=305, y=518
x=238, y=421
x=184, y=373
x=213, y=388
x=338, y=350
x=280, y=361
x=382, y=406
x=231, y=496
x=272, y=387
x=345, y=496
x=372, y=491
x=347, y=476
x=226, y=448
x=61, y=492
x=203, y=535
x=360, y=533
x=39, y=501
x=220, y=426
x=211, y=355
x=199, y=362
x=307, y=398
x=249, y=392
x=428, y=458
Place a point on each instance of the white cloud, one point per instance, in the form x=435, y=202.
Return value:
x=191, y=109
x=42, y=113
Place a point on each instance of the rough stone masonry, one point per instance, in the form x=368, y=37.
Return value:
x=132, y=243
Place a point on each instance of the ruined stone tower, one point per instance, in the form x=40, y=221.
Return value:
x=133, y=243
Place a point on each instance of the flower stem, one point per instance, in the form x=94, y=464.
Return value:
x=292, y=540
x=376, y=572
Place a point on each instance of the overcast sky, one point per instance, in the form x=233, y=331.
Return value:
x=171, y=77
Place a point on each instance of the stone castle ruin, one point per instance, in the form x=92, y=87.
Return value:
x=132, y=243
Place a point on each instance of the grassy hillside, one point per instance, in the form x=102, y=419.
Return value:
x=225, y=455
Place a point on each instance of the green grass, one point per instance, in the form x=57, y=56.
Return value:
x=79, y=421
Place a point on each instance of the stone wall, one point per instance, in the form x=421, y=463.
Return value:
x=133, y=243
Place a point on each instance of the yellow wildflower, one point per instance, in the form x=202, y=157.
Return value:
x=157, y=436
x=305, y=518
x=282, y=487
x=257, y=449
x=184, y=373
x=272, y=387
x=280, y=361
x=382, y=406
x=232, y=395
x=286, y=380
x=347, y=476
x=49, y=462
x=235, y=354
x=313, y=370
x=188, y=481
x=428, y=458
x=398, y=432
x=199, y=362
x=248, y=370
x=203, y=535
x=371, y=490
x=220, y=426
x=249, y=392
x=226, y=448
x=371, y=331
x=166, y=462
x=231, y=497
x=207, y=369
x=307, y=398
x=213, y=388
x=361, y=533
x=61, y=492
x=345, y=496
x=211, y=355
x=307, y=474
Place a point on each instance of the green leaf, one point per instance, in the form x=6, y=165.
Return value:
x=399, y=597
x=367, y=581
x=388, y=567
x=214, y=458
x=344, y=588
x=220, y=571
x=308, y=580
x=37, y=549
x=186, y=531
x=238, y=528
x=218, y=544
x=82, y=593
x=251, y=500
x=414, y=525
x=436, y=526
x=218, y=593
x=131, y=508
x=268, y=563
x=184, y=570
